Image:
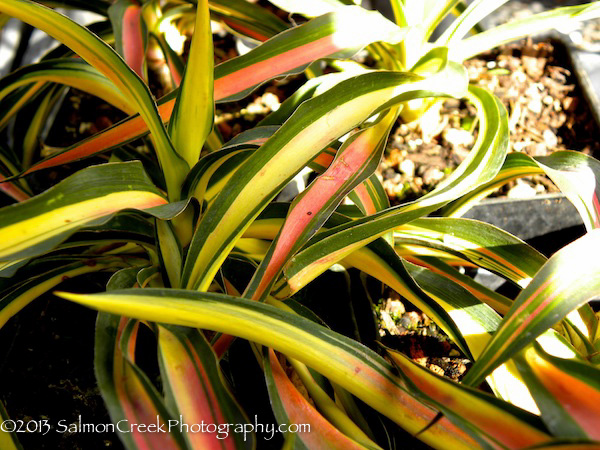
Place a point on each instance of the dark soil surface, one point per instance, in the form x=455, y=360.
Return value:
x=46, y=367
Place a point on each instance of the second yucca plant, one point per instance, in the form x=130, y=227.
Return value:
x=200, y=254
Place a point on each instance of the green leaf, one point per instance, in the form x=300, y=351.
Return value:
x=328, y=36
x=70, y=72
x=357, y=159
x=568, y=280
x=91, y=196
x=128, y=393
x=347, y=363
x=130, y=34
x=8, y=440
x=24, y=293
x=193, y=113
x=290, y=407
x=247, y=19
x=566, y=391
x=520, y=28
x=315, y=124
x=578, y=177
x=483, y=163
x=106, y=60
x=196, y=391
x=492, y=422
x=477, y=10
x=480, y=243
x=308, y=8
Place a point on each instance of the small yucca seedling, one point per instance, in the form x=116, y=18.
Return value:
x=181, y=231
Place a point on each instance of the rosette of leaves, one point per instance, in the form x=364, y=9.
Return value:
x=202, y=256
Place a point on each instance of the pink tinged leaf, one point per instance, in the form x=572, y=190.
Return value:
x=321, y=434
x=249, y=76
x=580, y=400
x=367, y=201
x=319, y=193
x=193, y=391
x=117, y=135
x=134, y=398
x=133, y=39
x=12, y=190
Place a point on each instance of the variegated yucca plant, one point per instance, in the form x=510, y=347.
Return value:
x=201, y=254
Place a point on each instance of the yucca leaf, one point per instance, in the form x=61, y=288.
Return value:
x=436, y=12
x=492, y=422
x=193, y=113
x=290, y=407
x=196, y=390
x=107, y=61
x=477, y=322
x=347, y=363
x=483, y=163
x=520, y=28
x=370, y=196
x=315, y=124
x=247, y=19
x=170, y=253
x=497, y=301
x=357, y=159
x=91, y=196
x=14, y=101
x=516, y=165
x=19, y=297
x=567, y=392
x=212, y=172
x=70, y=72
x=477, y=10
x=130, y=34
x=97, y=6
x=379, y=260
x=578, y=177
x=309, y=8
x=8, y=440
x=12, y=189
x=129, y=396
x=480, y=243
x=329, y=36
x=464, y=318
x=569, y=279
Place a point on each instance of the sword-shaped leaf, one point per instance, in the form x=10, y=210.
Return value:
x=576, y=175
x=195, y=388
x=247, y=19
x=344, y=361
x=566, y=391
x=314, y=125
x=91, y=196
x=8, y=439
x=290, y=407
x=18, y=298
x=70, y=72
x=493, y=422
x=483, y=163
x=357, y=159
x=128, y=393
x=480, y=243
x=330, y=36
x=107, y=61
x=193, y=113
x=130, y=34
x=520, y=28
x=568, y=280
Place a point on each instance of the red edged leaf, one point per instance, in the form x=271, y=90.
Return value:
x=291, y=408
